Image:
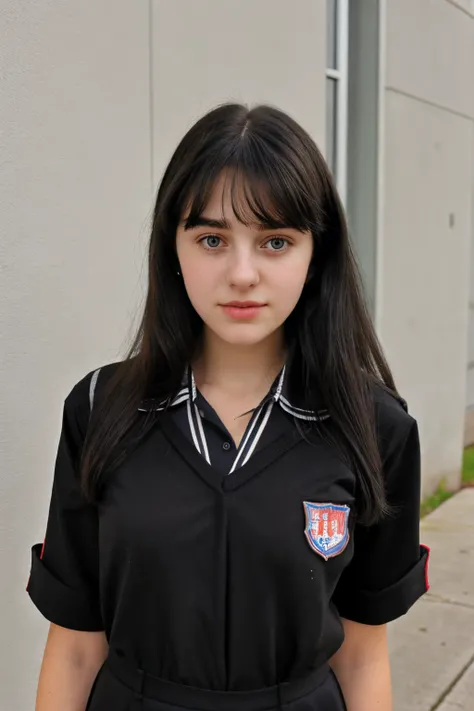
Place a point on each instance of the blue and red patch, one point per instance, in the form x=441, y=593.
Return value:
x=327, y=529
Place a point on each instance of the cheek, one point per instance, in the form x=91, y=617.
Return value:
x=200, y=287
x=288, y=283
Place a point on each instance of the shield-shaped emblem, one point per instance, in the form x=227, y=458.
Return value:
x=327, y=528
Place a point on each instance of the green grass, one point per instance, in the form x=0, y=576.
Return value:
x=468, y=466
x=442, y=494
x=436, y=499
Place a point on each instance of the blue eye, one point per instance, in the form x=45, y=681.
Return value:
x=210, y=241
x=279, y=244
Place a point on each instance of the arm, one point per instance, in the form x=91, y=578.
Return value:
x=387, y=574
x=64, y=576
x=362, y=667
x=71, y=662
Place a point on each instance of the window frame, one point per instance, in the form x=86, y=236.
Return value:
x=340, y=77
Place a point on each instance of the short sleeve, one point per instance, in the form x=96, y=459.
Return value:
x=389, y=568
x=64, y=576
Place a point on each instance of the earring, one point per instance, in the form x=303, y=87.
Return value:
x=178, y=273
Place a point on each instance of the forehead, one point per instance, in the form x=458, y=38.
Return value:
x=233, y=199
x=221, y=194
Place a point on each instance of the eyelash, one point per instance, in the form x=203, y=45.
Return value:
x=201, y=240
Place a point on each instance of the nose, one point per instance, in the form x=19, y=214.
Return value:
x=243, y=271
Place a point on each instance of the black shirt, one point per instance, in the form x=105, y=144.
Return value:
x=229, y=582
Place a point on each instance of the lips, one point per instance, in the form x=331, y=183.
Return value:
x=243, y=304
x=243, y=310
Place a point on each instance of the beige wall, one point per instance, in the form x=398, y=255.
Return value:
x=87, y=130
x=75, y=185
x=426, y=228
x=251, y=51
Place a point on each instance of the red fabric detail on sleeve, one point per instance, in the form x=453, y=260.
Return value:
x=427, y=582
x=41, y=556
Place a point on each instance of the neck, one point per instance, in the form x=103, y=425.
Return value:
x=239, y=368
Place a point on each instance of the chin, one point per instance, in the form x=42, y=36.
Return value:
x=242, y=335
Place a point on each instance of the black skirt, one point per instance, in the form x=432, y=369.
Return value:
x=120, y=687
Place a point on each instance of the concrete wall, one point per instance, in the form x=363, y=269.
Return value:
x=425, y=235
x=260, y=51
x=469, y=423
x=468, y=5
x=94, y=96
x=75, y=186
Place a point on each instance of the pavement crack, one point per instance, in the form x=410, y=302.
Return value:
x=451, y=686
x=430, y=597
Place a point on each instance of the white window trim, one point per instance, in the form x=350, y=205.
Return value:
x=340, y=75
x=333, y=74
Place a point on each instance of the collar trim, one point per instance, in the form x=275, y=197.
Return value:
x=189, y=387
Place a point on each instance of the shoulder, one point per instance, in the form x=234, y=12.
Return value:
x=393, y=421
x=80, y=391
x=77, y=403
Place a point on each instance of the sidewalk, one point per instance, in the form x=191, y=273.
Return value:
x=432, y=647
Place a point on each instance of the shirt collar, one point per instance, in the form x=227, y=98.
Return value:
x=279, y=392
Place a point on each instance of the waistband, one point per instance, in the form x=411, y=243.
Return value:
x=146, y=685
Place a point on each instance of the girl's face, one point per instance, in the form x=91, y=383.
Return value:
x=243, y=281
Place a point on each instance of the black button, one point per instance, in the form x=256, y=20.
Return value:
x=226, y=446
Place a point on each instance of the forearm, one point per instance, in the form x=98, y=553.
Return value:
x=366, y=687
x=362, y=668
x=67, y=674
x=63, y=686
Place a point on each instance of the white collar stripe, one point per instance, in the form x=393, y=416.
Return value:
x=192, y=427
x=280, y=384
x=259, y=433
x=202, y=434
x=293, y=407
x=313, y=417
x=183, y=391
x=158, y=408
x=246, y=440
x=193, y=387
x=179, y=399
x=299, y=409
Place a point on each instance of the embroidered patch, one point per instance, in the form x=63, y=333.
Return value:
x=327, y=528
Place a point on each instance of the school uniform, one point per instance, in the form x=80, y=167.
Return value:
x=220, y=576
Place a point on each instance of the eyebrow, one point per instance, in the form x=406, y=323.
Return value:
x=223, y=224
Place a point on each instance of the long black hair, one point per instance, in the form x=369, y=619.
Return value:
x=336, y=356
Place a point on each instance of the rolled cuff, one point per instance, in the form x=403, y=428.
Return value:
x=59, y=603
x=377, y=607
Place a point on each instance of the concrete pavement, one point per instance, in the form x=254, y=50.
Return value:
x=432, y=647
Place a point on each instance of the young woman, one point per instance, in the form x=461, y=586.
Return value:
x=235, y=510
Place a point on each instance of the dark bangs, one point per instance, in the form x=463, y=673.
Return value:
x=269, y=185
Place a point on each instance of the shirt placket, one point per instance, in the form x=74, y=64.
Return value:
x=252, y=435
